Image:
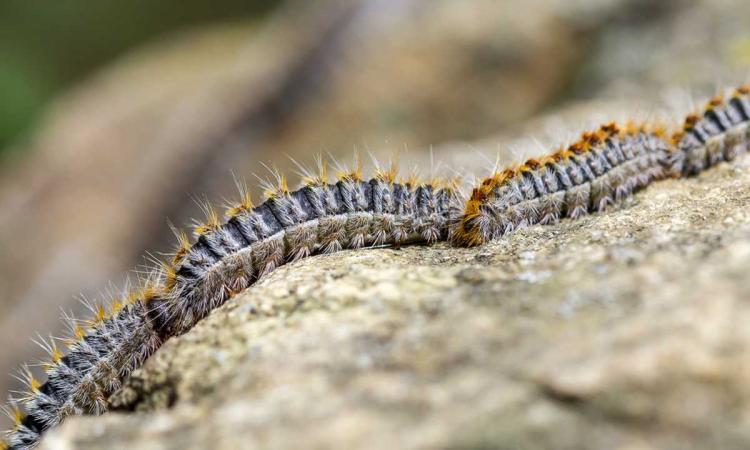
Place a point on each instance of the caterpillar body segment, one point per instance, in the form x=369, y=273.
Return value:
x=80, y=382
x=604, y=167
x=317, y=218
x=721, y=132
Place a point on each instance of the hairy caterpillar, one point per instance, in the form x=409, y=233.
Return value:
x=603, y=167
x=720, y=134
x=226, y=258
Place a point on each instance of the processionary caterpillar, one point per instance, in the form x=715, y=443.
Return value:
x=604, y=167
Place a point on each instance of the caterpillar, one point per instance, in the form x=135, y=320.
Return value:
x=224, y=259
x=604, y=167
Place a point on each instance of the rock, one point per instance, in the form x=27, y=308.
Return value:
x=622, y=330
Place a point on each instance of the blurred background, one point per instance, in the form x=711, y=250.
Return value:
x=115, y=117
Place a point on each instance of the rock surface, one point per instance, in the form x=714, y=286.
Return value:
x=625, y=330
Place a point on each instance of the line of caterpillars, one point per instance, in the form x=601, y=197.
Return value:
x=602, y=168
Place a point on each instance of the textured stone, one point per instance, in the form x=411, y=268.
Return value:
x=621, y=330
